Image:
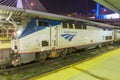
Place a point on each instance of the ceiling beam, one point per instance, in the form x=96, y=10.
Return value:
x=109, y=4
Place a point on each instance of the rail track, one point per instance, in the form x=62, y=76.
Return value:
x=37, y=68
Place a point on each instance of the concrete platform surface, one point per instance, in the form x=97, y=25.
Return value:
x=103, y=67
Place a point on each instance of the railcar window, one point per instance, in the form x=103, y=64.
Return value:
x=84, y=27
x=71, y=26
x=106, y=38
x=45, y=23
x=42, y=23
x=64, y=25
x=39, y=23
x=78, y=26
x=110, y=37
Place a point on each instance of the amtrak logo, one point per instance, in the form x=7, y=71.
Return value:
x=68, y=37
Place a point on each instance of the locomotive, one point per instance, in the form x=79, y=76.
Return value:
x=46, y=35
x=43, y=38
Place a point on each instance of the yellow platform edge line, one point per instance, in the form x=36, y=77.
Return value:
x=97, y=59
x=83, y=61
x=5, y=45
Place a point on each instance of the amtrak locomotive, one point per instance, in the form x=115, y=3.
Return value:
x=46, y=35
x=43, y=38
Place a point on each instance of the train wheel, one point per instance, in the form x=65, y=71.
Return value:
x=55, y=53
x=43, y=56
x=58, y=53
x=64, y=52
x=103, y=45
x=70, y=50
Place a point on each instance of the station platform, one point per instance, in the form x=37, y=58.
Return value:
x=5, y=45
x=103, y=67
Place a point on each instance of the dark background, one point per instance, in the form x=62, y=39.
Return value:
x=69, y=6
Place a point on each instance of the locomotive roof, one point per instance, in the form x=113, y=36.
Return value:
x=18, y=12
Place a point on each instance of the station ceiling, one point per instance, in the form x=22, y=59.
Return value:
x=114, y=5
x=17, y=15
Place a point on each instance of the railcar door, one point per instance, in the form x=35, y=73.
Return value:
x=53, y=36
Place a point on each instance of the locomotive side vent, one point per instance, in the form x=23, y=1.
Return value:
x=108, y=37
x=44, y=43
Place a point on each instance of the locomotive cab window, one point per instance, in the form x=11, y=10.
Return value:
x=41, y=23
x=70, y=26
x=84, y=27
x=78, y=26
x=64, y=25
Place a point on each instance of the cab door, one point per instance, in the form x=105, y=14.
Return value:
x=53, y=36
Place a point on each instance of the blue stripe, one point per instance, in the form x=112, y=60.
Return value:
x=71, y=37
x=31, y=26
x=68, y=37
x=65, y=35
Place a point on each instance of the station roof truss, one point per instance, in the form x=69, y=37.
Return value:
x=12, y=13
x=114, y=5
